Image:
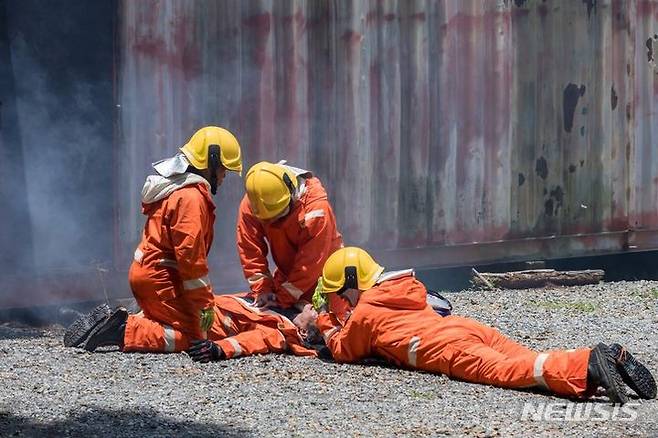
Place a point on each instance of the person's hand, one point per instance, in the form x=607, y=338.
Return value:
x=207, y=318
x=268, y=299
x=205, y=351
x=319, y=298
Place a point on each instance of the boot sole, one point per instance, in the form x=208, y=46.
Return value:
x=616, y=395
x=77, y=332
x=636, y=376
x=118, y=314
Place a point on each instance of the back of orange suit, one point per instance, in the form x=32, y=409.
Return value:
x=169, y=274
x=393, y=321
x=300, y=243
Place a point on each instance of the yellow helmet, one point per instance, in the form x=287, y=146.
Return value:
x=349, y=268
x=196, y=150
x=270, y=188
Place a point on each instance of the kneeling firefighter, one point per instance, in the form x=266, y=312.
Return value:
x=392, y=320
x=286, y=210
x=169, y=273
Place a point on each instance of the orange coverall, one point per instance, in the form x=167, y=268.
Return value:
x=169, y=274
x=300, y=243
x=393, y=321
x=239, y=329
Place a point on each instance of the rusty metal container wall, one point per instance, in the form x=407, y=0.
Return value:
x=644, y=117
x=525, y=127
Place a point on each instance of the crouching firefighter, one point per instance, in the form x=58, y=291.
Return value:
x=285, y=210
x=239, y=329
x=392, y=320
x=169, y=273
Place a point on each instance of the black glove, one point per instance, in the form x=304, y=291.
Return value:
x=205, y=351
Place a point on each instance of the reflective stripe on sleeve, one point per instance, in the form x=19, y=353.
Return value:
x=236, y=347
x=292, y=290
x=413, y=349
x=169, y=339
x=327, y=334
x=196, y=283
x=313, y=214
x=257, y=277
x=538, y=369
x=227, y=322
x=138, y=255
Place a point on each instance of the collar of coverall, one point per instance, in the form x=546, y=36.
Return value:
x=394, y=275
x=158, y=187
x=175, y=165
x=301, y=175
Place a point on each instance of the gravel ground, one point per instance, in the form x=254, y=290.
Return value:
x=50, y=390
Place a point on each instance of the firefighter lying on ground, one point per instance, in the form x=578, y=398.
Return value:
x=392, y=320
x=239, y=329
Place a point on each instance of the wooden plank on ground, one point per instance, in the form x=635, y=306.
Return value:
x=536, y=278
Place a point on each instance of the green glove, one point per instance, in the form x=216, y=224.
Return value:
x=207, y=318
x=319, y=298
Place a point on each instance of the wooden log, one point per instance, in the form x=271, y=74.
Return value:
x=536, y=278
x=483, y=280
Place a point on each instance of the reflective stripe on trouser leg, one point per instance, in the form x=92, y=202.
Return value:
x=565, y=372
x=236, y=347
x=146, y=335
x=538, y=370
x=169, y=339
x=412, y=350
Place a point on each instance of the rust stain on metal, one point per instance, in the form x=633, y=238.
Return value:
x=420, y=16
x=351, y=37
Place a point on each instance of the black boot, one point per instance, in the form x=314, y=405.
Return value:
x=601, y=371
x=110, y=332
x=634, y=373
x=81, y=327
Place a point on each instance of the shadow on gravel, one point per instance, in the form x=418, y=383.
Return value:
x=114, y=423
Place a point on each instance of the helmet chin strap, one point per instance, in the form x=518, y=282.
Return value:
x=214, y=162
x=288, y=182
x=351, y=280
x=291, y=188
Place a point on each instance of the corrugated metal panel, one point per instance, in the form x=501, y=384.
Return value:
x=433, y=124
x=643, y=115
